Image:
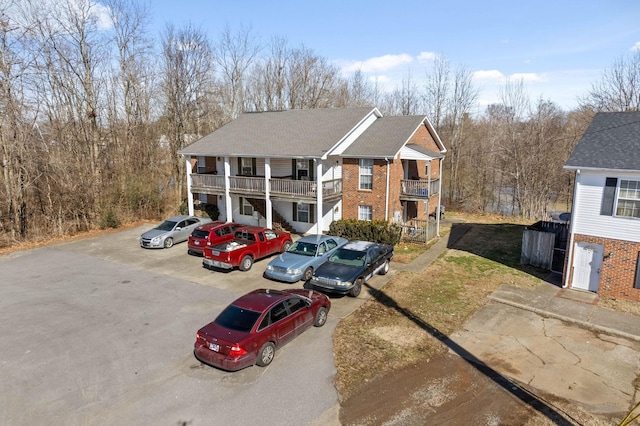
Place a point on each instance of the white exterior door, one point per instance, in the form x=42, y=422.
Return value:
x=586, y=266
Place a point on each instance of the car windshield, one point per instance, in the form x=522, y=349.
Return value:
x=348, y=257
x=167, y=225
x=304, y=249
x=236, y=318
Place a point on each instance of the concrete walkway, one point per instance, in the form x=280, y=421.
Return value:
x=548, y=299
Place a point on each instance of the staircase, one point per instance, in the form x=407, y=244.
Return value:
x=279, y=222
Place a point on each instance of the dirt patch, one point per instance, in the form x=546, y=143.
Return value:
x=444, y=390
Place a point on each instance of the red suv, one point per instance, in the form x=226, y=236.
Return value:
x=210, y=234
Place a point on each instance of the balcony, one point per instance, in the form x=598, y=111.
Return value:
x=284, y=189
x=418, y=190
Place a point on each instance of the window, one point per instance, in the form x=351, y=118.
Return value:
x=365, y=213
x=628, y=198
x=366, y=174
x=202, y=164
x=270, y=234
x=303, y=212
x=294, y=304
x=246, y=166
x=245, y=207
x=331, y=244
x=203, y=198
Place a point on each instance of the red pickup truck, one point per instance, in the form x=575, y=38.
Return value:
x=249, y=244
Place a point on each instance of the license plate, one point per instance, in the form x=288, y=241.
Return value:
x=215, y=252
x=214, y=347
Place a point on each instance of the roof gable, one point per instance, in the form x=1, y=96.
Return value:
x=386, y=137
x=611, y=142
x=292, y=133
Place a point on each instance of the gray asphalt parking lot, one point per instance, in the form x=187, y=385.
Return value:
x=101, y=331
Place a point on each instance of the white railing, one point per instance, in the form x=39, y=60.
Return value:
x=419, y=188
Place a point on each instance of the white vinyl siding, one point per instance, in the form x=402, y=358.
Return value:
x=586, y=218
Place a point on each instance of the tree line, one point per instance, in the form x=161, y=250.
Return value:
x=94, y=108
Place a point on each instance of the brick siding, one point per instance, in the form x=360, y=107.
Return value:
x=618, y=272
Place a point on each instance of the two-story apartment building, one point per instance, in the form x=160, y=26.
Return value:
x=604, y=236
x=302, y=169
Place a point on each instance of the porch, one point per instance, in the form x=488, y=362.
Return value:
x=418, y=190
x=279, y=188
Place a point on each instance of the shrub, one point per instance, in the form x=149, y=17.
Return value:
x=109, y=219
x=377, y=231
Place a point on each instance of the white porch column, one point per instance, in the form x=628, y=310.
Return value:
x=267, y=188
x=227, y=195
x=189, y=194
x=319, y=206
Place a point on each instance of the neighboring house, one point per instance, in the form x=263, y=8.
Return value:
x=265, y=168
x=604, y=236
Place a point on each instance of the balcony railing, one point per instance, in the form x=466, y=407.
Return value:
x=419, y=189
x=283, y=188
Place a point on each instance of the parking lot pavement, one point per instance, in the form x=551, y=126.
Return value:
x=101, y=331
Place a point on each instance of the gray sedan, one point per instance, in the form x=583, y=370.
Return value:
x=303, y=257
x=173, y=230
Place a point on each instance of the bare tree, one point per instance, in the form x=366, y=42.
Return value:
x=619, y=87
x=187, y=81
x=234, y=54
x=312, y=82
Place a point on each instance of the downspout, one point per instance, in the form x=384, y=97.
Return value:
x=267, y=192
x=319, y=197
x=565, y=281
x=189, y=193
x=439, y=199
x=227, y=193
x=386, y=196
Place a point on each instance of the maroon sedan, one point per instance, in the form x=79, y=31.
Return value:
x=250, y=329
x=209, y=235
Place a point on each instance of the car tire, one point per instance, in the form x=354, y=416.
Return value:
x=168, y=242
x=246, y=263
x=266, y=354
x=357, y=287
x=286, y=246
x=308, y=273
x=385, y=268
x=321, y=317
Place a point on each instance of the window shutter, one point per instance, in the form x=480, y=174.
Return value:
x=312, y=213
x=311, y=170
x=293, y=169
x=254, y=168
x=239, y=166
x=295, y=212
x=636, y=284
x=608, y=196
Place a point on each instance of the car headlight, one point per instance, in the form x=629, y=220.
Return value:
x=344, y=283
x=269, y=268
x=156, y=239
x=294, y=271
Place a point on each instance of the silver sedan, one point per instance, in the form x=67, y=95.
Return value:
x=303, y=257
x=173, y=230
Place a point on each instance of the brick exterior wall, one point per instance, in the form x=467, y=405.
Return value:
x=352, y=196
x=618, y=272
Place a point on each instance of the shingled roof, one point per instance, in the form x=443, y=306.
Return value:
x=385, y=137
x=293, y=133
x=611, y=142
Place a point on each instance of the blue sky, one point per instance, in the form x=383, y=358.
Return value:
x=559, y=48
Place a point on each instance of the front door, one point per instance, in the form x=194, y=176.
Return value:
x=587, y=264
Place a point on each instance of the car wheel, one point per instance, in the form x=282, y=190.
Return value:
x=385, y=268
x=355, y=290
x=308, y=273
x=286, y=246
x=168, y=242
x=266, y=354
x=321, y=317
x=246, y=263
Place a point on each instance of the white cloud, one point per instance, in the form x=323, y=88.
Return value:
x=380, y=63
x=426, y=57
x=488, y=75
x=636, y=47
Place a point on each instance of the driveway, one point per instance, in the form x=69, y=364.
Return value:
x=101, y=331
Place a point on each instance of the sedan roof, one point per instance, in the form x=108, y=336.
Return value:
x=260, y=299
x=358, y=245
